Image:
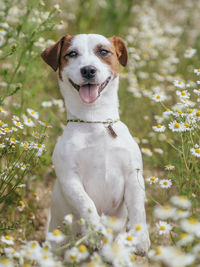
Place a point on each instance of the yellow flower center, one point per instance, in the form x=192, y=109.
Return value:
x=32, y=112
x=158, y=96
x=25, y=145
x=153, y=178
x=33, y=245
x=166, y=207
x=31, y=214
x=198, y=70
x=159, y=126
x=187, y=125
x=21, y=203
x=183, y=93
x=39, y=145
x=138, y=227
x=1, y=123
x=35, y=194
x=73, y=257
x=183, y=197
x=192, y=221
x=108, y=230
x=129, y=238
x=56, y=232
x=183, y=235
x=6, y=129
x=29, y=120
x=7, y=237
x=197, y=150
x=162, y=227
x=165, y=183
x=105, y=240
x=18, y=123
x=132, y=258
x=198, y=113
x=179, y=82
x=190, y=110
x=5, y=261
x=82, y=248
x=180, y=111
x=177, y=125
x=167, y=110
x=1, y=109
x=158, y=251
x=12, y=139
x=36, y=134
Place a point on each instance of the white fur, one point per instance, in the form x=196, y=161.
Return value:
x=96, y=172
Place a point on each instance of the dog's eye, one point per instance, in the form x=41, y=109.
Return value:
x=71, y=54
x=103, y=52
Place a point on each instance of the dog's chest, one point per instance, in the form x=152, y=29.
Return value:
x=102, y=163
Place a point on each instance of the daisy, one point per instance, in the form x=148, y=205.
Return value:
x=46, y=124
x=165, y=183
x=197, y=114
x=158, y=150
x=183, y=94
x=181, y=214
x=56, y=236
x=152, y=180
x=18, y=124
x=112, y=222
x=181, y=201
x=58, y=102
x=179, y=84
x=32, y=113
x=164, y=228
x=47, y=104
x=197, y=91
x=127, y=239
x=189, y=52
x=35, y=134
x=184, y=239
x=164, y=212
x=159, y=97
x=176, y=126
x=179, y=113
x=6, y=262
x=28, y=122
x=25, y=145
x=197, y=71
x=3, y=111
x=35, y=195
x=147, y=151
x=9, y=240
x=191, y=226
x=31, y=216
x=68, y=219
x=159, y=128
x=167, y=112
x=195, y=151
x=21, y=205
x=169, y=167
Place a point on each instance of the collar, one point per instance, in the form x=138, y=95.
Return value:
x=107, y=122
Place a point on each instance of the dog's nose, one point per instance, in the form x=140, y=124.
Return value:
x=88, y=72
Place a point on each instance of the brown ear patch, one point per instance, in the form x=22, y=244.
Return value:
x=120, y=48
x=53, y=54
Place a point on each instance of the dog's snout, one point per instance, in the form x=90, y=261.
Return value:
x=88, y=72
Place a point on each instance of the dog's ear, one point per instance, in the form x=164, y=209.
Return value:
x=121, y=49
x=51, y=55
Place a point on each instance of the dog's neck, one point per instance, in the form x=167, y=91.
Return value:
x=104, y=108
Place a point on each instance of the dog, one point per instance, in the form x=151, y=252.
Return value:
x=97, y=162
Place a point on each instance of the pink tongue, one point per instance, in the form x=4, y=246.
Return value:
x=88, y=93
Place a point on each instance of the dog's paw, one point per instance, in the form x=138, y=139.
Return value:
x=143, y=244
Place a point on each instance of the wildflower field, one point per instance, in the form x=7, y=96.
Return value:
x=159, y=101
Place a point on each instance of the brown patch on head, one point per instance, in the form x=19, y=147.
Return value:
x=120, y=48
x=117, y=53
x=110, y=58
x=54, y=55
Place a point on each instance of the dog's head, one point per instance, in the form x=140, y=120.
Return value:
x=87, y=62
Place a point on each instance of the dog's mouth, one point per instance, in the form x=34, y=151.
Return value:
x=90, y=92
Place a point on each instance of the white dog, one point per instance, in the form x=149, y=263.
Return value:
x=97, y=162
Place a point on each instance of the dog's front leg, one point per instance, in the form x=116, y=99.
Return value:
x=78, y=198
x=135, y=198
